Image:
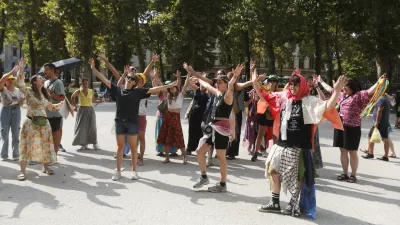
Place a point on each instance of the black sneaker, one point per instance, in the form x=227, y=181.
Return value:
x=368, y=156
x=271, y=207
x=161, y=154
x=61, y=148
x=174, y=154
x=254, y=158
x=386, y=159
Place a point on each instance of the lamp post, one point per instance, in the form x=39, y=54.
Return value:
x=20, y=37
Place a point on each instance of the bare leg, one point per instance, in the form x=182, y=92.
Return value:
x=344, y=159
x=223, y=168
x=201, y=158
x=260, y=137
x=276, y=186
x=370, y=147
x=386, y=145
x=391, y=146
x=184, y=155
x=142, y=141
x=120, y=150
x=132, y=140
x=353, y=162
x=166, y=154
x=57, y=139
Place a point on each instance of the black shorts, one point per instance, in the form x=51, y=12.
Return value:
x=221, y=142
x=348, y=139
x=56, y=123
x=383, y=130
x=263, y=121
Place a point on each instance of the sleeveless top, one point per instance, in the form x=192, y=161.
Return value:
x=177, y=103
x=86, y=100
x=220, y=108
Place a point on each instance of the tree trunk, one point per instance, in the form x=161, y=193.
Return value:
x=139, y=47
x=271, y=58
x=32, y=52
x=383, y=65
x=247, y=52
x=338, y=59
x=317, y=43
x=2, y=34
x=329, y=62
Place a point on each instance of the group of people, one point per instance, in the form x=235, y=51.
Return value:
x=288, y=117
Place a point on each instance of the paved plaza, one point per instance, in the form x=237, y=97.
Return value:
x=81, y=190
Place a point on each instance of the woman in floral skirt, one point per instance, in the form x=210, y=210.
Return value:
x=36, y=139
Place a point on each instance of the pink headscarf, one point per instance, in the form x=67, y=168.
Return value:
x=304, y=88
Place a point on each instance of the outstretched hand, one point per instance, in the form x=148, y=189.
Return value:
x=254, y=76
x=383, y=76
x=252, y=66
x=156, y=58
x=102, y=58
x=92, y=63
x=340, y=83
x=238, y=70
x=15, y=69
x=22, y=63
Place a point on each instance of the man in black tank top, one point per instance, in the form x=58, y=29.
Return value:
x=220, y=123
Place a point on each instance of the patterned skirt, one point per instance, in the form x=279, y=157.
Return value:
x=160, y=147
x=317, y=156
x=36, y=143
x=171, y=131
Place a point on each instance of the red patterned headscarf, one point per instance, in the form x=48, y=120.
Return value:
x=304, y=88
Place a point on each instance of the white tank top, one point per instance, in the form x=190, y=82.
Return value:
x=177, y=103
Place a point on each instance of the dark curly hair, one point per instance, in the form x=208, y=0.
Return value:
x=36, y=91
x=353, y=84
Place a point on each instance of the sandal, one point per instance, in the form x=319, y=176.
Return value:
x=343, y=177
x=185, y=161
x=364, y=151
x=21, y=176
x=393, y=155
x=352, y=179
x=47, y=171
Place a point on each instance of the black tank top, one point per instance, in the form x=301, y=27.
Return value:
x=220, y=108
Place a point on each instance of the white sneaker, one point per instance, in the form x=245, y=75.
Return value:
x=116, y=176
x=135, y=176
x=96, y=147
x=209, y=162
x=83, y=147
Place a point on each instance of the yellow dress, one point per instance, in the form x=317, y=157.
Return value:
x=36, y=143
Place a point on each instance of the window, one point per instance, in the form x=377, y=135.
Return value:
x=14, y=50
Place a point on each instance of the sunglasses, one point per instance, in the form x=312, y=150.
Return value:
x=130, y=78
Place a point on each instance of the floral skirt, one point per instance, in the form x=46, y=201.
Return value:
x=171, y=131
x=36, y=143
x=160, y=147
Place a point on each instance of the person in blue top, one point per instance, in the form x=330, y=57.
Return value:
x=126, y=116
x=381, y=122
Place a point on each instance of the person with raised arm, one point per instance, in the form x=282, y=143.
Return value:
x=351, y=103
x=171, y=129
x=219, y=132
x=36, y=139
x=85, y=131
x=12, y=99
x=162, y=96
x=126, y=116
x=288, y=159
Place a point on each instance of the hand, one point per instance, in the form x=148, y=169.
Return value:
x=383, y=76
x=238, y=70
x=22, y=63
x=21, y=101
x=376, y=125
x=156, y=58
x=102, y=58
x=315, y=82
x=252, y=66
x=254, y=76
x=173, y=84
x=127, y=68
x=178, y=74
x=185, y=66
x=92, y=63
x=339, y=84
x=15, y=69
x=262, y=77
x=318, y=78
x=234, y=78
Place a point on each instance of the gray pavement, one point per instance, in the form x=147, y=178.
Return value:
x=81, y=190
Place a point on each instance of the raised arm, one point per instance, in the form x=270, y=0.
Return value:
x=187, y=81
x=323, y=84
x=21, y=76
x=178, y=79
x=7, y=75
x=110, y=67
x=372, y=89
x=73, y=97
x=210, y=88
x=228, y=98
x=189, y=69
x=256, y=86
x=161, y=88
x=122, y=78
x=320, y=93
x=98, y=74
x=337, y=88
x=148, y=69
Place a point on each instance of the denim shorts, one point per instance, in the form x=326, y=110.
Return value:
x=126, y=128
